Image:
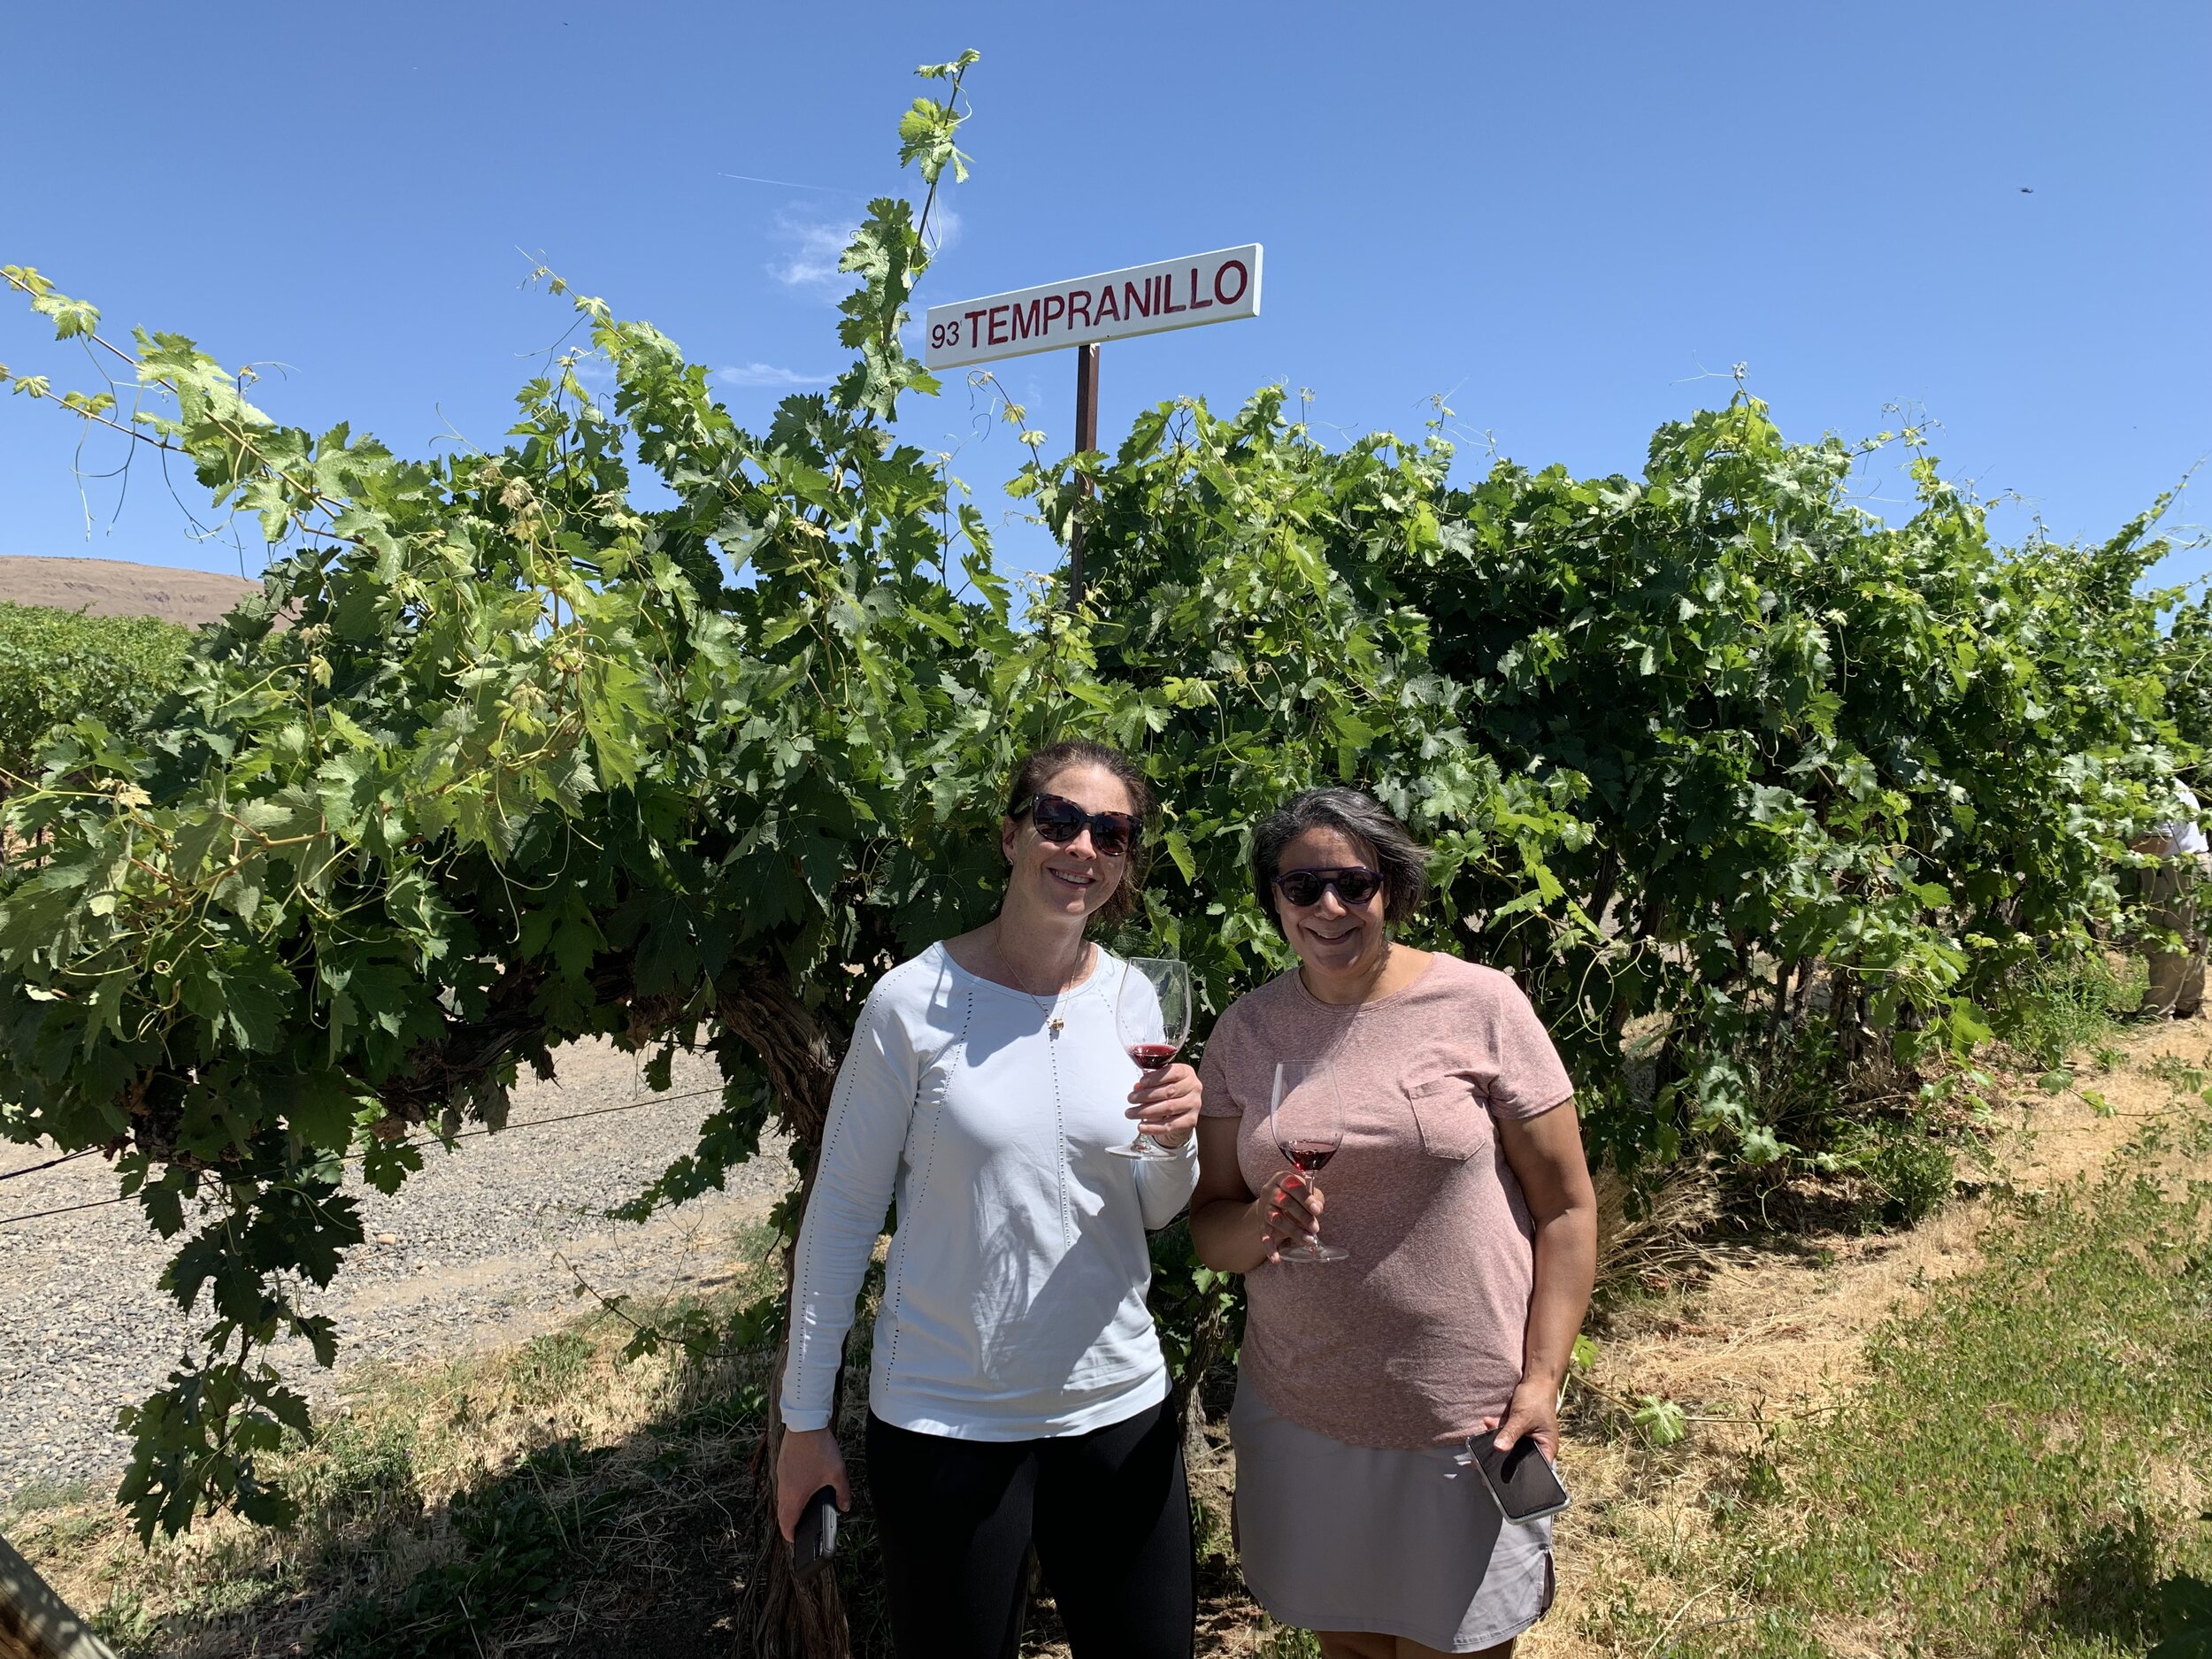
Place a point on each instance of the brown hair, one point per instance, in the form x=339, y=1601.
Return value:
x=1041, y=766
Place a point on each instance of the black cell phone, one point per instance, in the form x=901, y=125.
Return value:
x=814, y=1540
x=1520, y=1477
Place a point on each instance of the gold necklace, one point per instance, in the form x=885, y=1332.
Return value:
x=1380, y=974
x=1054, y=1023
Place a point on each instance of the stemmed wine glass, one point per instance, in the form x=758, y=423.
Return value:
x=1306, y=1117
x=1152, y=1014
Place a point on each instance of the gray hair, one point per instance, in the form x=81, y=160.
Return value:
x=1402, y=861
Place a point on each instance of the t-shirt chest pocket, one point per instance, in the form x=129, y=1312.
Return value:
x=1454, y=1124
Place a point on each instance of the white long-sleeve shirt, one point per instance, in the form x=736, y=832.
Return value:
x=1013, y=1301
x=2183, y=836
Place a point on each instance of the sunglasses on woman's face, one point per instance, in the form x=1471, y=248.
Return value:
x=1355, y=884
x=1059, y=820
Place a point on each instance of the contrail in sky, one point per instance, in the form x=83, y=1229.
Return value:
x=789, y=184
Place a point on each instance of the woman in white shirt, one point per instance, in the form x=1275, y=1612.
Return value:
x=1017, y=1396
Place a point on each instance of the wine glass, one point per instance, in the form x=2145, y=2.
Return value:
x=1306, y=1117
x=1153, y=1016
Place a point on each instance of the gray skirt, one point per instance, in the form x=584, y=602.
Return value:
x=1402, y=1543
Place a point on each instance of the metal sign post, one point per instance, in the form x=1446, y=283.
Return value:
x=1086, y=439
x=1147, y=299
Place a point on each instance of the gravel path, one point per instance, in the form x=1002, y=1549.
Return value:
x=461, y=1256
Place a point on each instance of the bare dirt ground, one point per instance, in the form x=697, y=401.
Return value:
x=117, y=587
x=474, y=1252
x=1770, y=1335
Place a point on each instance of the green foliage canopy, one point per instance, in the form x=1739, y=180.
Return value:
x=1677, y=740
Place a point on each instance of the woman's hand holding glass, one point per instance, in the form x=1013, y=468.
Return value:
x=1152, y=1012
x=1306, y=1117
x=1291, y=1208
x=1166, y=1105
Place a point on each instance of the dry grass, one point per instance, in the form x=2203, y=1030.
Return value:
x=1661, y=1238
x=1768, y=1337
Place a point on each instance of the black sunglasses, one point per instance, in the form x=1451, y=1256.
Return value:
x=1355, y=884
x=1059, y=820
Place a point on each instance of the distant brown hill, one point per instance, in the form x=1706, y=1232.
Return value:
x=115, y=588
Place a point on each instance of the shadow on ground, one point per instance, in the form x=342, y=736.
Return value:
x=548, y=1500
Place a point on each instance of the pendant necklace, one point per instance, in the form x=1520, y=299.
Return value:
x=1054, y=1023
x=1344, y=1037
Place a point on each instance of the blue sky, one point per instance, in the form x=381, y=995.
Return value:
x=1571, y=220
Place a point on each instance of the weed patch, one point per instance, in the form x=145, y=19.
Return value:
x=2046, y=1009
x=2023, y=1472
x=520, y=1540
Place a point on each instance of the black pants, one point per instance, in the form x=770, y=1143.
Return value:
x=1108, y=1512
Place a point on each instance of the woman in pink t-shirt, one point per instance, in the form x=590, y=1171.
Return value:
x=1460, y=1193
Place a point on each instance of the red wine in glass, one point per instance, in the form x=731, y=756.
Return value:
x=1309, y=1157
x=1306, y=1115
x=1152, y=1014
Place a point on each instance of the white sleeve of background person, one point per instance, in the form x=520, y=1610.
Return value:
x=869, y=1112
x=2185, y=836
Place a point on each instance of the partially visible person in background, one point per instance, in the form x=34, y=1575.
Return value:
x=2185, y=858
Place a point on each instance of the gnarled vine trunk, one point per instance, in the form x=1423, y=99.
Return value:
x=782, y=1617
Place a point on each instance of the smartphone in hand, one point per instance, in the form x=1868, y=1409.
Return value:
x=814, y=1540
x=1520, y=1479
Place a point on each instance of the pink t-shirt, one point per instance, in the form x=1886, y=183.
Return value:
x=1418, y=1335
